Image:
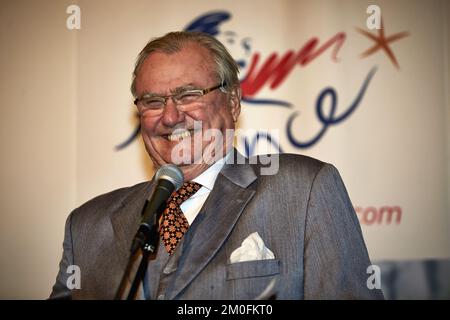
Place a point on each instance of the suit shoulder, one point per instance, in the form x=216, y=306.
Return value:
x=287, y=164
x=300, y=161
x=108, y=202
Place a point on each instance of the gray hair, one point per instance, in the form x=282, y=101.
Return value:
x=226, y=68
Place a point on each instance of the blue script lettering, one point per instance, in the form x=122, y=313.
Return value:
x=250, y=146
x=331, y=118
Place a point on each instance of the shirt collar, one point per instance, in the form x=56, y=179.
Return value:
x=209, y=176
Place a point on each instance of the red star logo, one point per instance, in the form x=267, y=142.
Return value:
x=381, y=42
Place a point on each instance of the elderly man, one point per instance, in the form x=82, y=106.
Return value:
x=230, y=232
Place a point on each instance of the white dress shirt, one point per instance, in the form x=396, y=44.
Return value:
x=191, y=207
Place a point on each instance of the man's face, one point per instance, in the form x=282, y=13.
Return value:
x=169, y=133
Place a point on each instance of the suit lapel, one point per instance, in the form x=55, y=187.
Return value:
x=216, y=220
x=125, y=223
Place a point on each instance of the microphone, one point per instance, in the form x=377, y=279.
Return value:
x=168, y=179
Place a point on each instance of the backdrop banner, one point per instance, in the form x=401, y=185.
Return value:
x=363, y=85
x=352, y=84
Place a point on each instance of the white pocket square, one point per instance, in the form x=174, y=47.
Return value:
x=252, y=248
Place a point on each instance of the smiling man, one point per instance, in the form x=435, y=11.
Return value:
x=231, y=231
x=177, y=84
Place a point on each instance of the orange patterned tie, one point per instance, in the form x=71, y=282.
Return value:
x=173, y=222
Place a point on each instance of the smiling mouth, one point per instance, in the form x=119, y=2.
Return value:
x=179, y=135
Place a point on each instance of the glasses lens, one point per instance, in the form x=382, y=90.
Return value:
x=188, y=97
x=152, y=103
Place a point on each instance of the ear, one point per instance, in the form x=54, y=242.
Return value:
x=235, y=102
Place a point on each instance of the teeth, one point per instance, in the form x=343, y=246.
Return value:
x=178, y=136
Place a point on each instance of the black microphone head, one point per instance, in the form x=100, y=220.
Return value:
x=172, y=173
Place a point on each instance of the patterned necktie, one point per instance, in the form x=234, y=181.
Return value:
x=173, y=222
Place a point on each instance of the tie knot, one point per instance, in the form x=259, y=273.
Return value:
x=187, y=189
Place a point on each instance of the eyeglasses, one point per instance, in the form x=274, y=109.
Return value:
x=149, y=102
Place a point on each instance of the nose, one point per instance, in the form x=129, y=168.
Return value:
x=171, y=115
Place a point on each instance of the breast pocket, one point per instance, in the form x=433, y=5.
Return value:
x=253, y=269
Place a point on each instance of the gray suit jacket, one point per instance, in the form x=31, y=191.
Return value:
x=303, y=214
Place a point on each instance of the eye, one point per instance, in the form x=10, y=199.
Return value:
x=152, y=103
x=188, y=96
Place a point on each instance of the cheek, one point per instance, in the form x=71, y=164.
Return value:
x=209, y=119
x=223, y=117
x=148, y=124
x=219, y=115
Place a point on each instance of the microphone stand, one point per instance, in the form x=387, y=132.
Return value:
x=144, y=244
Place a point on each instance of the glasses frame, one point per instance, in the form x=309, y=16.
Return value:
x=172, y=96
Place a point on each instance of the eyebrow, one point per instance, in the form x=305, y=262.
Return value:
x=189, y=86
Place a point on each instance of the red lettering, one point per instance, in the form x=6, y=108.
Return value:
x=366, y=215
x=274, y=71
x=382, y=215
